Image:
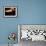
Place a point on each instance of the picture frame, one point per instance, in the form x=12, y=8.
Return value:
x=10, y=11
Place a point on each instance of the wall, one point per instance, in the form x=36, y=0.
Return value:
x=29, y=12
x=7, y=25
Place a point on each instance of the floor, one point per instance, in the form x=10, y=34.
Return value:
x=7, y=45
x=30, y=43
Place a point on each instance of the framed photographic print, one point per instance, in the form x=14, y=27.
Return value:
x=10, y=11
